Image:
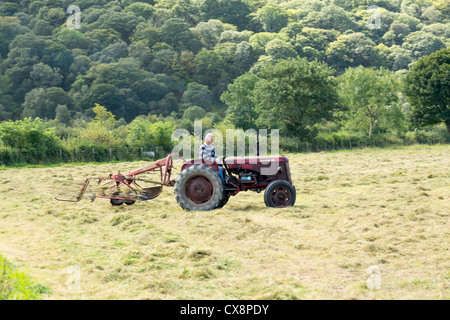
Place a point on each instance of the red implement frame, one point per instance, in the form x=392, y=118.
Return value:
x=129, y=182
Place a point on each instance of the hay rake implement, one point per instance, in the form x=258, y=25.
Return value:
x=127, y=188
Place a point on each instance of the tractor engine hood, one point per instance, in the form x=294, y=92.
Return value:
x=261, y=160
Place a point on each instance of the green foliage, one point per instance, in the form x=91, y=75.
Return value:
x=428, y=89
x=351, y=50
x=99, y=130
x=197, y=95
x=29, y=136
x=9, y=29
x=147, y=134
x=367, y=93
x=176, y=33
x=42, y=102
x=235, y=12
x=16, y=285
x=142, y=9
x=9, y=9
x=209, y=67
x=295, y=94
x=239, y=98
x=145, y=57
x=272, y=17
x=330, y=17
x=62, y=114
x=278, y=49
x=194, y=113
x=421, y=43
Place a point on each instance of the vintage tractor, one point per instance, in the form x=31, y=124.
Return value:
x=199, y=186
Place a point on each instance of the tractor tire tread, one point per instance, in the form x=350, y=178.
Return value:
x=211, y=175
x=269, y=189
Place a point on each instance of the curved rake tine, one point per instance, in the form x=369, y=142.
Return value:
x=80, y=194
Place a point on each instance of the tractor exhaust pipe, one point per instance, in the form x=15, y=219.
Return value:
x=257, y=143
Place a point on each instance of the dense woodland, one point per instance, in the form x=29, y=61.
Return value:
x=319, y=70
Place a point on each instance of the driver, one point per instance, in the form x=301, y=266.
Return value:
x=208, y=154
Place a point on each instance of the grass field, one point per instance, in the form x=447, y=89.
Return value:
x=356, y=211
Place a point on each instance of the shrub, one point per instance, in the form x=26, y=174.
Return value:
x=145, y=134
x=30, y=137
x=15, y=285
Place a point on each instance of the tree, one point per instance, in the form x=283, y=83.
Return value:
x=207, y=9
x=42, y=102
x=197, y=95
x=272, y=17
x=295, y=94
x=368, y=93
x=279, y=49
x=5, y=99
x=235, y=36
x=165, y=106
x=44, y=76
x=443, y=5
x=123, y=22
x=244, y=57
x=427, y=87
x=330, y=17
x=184, y=67
x=209, y=67
x=351, y=50
x=401, y=58
x=422, y=43
x=81, y=65
x=144, y=10
x=55, y=16
x=9, y=9
x=194, y=113
x=9, y=29
x=210, y=32
x=56, y=55
x=312, y=43
x=103, y=37
x=103, y=117
x=177, y=34
x=234, y=12
x=106, y=94
x=122, y=87
x=111, y=53
x=241, y=105
x=62, y=114
x=258, y=41
x=99, y=130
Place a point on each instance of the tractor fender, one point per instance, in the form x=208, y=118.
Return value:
x=190, y=163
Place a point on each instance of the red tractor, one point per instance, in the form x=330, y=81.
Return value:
x=199, y=185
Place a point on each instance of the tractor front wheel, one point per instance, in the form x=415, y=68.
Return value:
x=279, y=194
x=199, y=187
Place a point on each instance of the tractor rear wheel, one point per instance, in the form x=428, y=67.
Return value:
x=224, y=201
x=199, y=188
x=279, y=194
